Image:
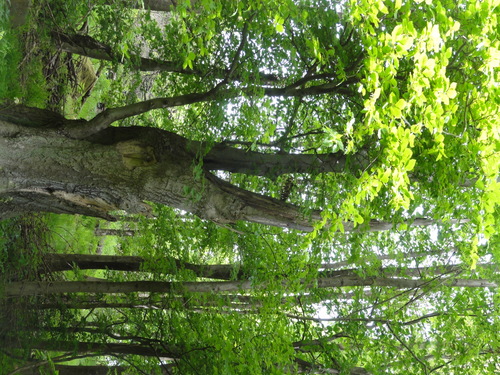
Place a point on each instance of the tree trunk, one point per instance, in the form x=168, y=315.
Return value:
x=119, y=169
x=155, y=5
x=114, y=232
x=29, y=288
x=77, y=370
x=19, y=10
x=222, y=157
x=83, y=167
x=85, y=45
x=66, y=262
x=165, y=350
x=158, y=302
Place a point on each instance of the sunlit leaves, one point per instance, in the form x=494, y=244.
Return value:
x=410, y=83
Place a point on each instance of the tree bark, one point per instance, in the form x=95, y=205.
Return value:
x=114, y=232
x=119, y=169
x=153, y=302
x=155, y=5
x=222, y=157
x=165, y=350
x=85, y=45
x=51, y=164
x=66, y=262
x=30, y=288
x=77, y=370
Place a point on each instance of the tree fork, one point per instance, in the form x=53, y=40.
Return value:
x=89, y=168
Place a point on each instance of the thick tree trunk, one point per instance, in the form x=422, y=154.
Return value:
x=119, y=169
x=83, y=167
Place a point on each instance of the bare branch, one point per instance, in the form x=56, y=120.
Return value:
x=424, y=366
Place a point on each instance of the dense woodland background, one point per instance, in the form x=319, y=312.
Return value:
x=331, y=204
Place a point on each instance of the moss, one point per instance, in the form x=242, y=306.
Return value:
x=10, y=56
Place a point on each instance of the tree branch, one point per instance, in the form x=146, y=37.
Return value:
x=424, y=366
x=106, y=118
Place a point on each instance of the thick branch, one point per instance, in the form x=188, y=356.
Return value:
x=222, y=157
x=30, y=116
x=106, y=118
x=18, y=203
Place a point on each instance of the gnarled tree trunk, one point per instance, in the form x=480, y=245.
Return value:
x=57, y=165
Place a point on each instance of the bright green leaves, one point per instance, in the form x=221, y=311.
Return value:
x=315, y=49
x=333, y=140
x=409, y=88
x=278, y=23
x=369, y=12
x=188, y=60
x=396, y=109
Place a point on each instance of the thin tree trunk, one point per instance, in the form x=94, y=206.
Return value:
x=165, y=350
x=405, y=256
x=77, y=370
x=28, y=288
x=85, y=45
x=160, y=302
x=114, y=232
x=155, y=5
x=65, y=262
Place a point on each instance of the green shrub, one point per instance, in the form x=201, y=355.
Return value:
x=10, y=56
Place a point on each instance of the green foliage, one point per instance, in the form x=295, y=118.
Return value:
x=10, y=56
x=414, y=108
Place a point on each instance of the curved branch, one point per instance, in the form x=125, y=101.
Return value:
x=106, y=118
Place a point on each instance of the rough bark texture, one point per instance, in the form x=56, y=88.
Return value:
x=48, y=163
x=117, y=169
